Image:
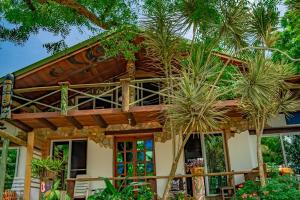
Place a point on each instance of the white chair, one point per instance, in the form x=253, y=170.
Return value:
x=18, y=186
x=82, y=188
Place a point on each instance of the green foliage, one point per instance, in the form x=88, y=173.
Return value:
x=133, y=191
x=289, y=40
x=54, y=193
x=122, y=42
x=10, y=167
x=279, y=188
x=271, y=150
x=41, y=166
x=20, y=19
x=292, y=148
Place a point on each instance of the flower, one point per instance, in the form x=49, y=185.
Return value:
x=244, y=196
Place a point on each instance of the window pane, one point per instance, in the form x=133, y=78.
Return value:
x=129, y=169
x=120, y=157
x=141, y=169
x=149, y=144
x=129, y=157
x=140, y=145
x=150, y=167
x=120, y=146
x=78, y=157
x=149, y=156
x=129, y=146
x=140, y=156
x=120, y=169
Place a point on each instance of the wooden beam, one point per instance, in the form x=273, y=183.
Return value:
x=48, y=124
x=74, y=122
x=122, y=132
x=29, y=154
x=100, y=121
x=125, y=94
x=21, y=125
x=131, y=119
x=292, y=129
x=12, y=138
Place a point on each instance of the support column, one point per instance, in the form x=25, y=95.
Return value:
x=29, y=154
x=3, y=165
x=64, y=102
x=125, y=94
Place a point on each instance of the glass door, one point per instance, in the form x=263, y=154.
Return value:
x=134, y=156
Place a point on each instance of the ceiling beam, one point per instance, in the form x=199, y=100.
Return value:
x=131, y=119
x=292, y=129
x=74, y=122
x=48, y=124
x=21, y=125
x=12, y=138
x=100, y=121
x=123, y=132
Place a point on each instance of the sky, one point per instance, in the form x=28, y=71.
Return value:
x=14, y=57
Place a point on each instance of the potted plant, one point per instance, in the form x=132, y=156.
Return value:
x=195, y=166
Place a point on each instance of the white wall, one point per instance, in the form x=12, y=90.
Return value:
x=164, y=160
x=99, y=163
x=242, y=153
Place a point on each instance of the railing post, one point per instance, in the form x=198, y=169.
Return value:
x=64, y=102
x=125, y=94
x=7, y=92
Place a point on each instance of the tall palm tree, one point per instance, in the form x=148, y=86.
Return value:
x=264, y=94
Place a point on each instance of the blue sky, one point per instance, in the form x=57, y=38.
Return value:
x=13, y=57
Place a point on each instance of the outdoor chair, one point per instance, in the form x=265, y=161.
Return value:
x=18, y=186
x=81, y=188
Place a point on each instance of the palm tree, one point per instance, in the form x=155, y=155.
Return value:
x=193, y=108
x=264, y=94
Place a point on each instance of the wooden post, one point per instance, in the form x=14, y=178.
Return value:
x=27, y=182
x=7, y=92
x=3, y=165
x=131, y=69
x=64, y=102
x=125, y=94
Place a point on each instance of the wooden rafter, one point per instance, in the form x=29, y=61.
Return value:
x=292, y=129
x=121, y=132
x=21, y=125
x=12, y=138
x=100, y=121
x=48, y=124
x=74, y=122
x=131, y=119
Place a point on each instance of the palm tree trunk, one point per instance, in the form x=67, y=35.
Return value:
x=174, y=167
x=260, y=160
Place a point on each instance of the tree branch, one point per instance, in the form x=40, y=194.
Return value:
x=81, y=10
x=30, y=5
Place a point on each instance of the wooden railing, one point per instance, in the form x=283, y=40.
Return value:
x=125, y=94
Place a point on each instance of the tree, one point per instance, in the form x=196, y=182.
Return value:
x=264, y=94
x=22, y=18
x=289, y=40
x=292, y=147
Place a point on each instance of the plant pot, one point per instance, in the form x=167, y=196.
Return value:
x=197, y=170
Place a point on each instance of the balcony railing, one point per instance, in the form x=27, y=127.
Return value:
x=65, y=97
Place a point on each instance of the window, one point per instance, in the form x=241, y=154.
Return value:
x=11, y=166
x=73, y=153
x=293, y=119
x=134, y=156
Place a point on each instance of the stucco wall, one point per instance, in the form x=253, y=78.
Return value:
x=242, y=153
x=99, y=163
x=164, y=160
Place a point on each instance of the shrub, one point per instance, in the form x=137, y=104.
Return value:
x=278, y=188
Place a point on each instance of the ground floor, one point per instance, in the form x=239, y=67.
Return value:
x=144, y=155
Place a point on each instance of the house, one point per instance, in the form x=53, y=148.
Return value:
x=104, y=116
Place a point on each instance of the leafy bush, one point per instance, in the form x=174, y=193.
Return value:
x=133, y=191
x=279, y=188
x=41, y=166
